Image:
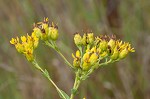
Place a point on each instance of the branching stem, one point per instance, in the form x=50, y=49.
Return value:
x=45, y=73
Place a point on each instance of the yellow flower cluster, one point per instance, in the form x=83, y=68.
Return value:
x=46, y=31
x=94, y=49
x=27, y=45
x=42, y=30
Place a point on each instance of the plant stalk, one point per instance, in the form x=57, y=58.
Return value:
x=47, y=76
x=75, y=86
x=58, y=51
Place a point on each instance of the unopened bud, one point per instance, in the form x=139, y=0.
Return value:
x=84, y=39
x=90, y=37
x=103, y=45
x=77, y=39
x=38, y=32
x=19, y=47
x=93, y=58
x=86, y=65
x=111, y=43
x=123, y=53
x=115, y=54
x=53, y=33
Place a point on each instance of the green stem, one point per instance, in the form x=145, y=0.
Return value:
x=105, y=63
x=75, y=86
x=58, y=51
x=64, y=58
x=48, y=77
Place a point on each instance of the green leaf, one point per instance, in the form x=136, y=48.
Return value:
x=73, y=91
x=63, y=95
x=46, y=73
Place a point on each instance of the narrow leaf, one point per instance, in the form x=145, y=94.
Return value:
x=63, y=95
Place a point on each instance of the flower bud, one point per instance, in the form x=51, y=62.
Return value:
x=111, y=43
x=123, y=53
x=46, y=29
x=93, y=58
x=38, y=32
x=86, y=65
x=90, y=37
x=53, y=33
x=115, y=54
x=86, y=56
x=84, y=39
x=19, y=47
x=77, y=39
x=76, y=62
x=35, y=40
x=103, y=45
x=78, y=54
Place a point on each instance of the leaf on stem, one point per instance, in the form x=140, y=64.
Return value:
x=63, y=95
x=46, y=73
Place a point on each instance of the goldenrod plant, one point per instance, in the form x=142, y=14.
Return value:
x=93, y=52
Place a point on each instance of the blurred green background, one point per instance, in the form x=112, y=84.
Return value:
x=128, y=19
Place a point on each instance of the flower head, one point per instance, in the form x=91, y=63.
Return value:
x=46, y=31
x=94, y=50
x=27, y=45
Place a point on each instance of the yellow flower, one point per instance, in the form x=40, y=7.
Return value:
x=86, y=61
x=23, y=39
x=94, y=49
x=38, y=32
x=100, y=48
x=112, y=43
x=93, y=58
x=115, y=54
x=86, y=56
x=90, y=37
x=77, y=39
x=123, y=53
x=27, y=45
x=29, y=54
x=46, y=32
x=14, y=41
x=87, y=39
x=84, y=39
x=86, y=65
x=19, y=47
x=76, y=61
x=35, y=40
x=78, y=54
x=103, y=45
x=53, y=32
x=124, y=49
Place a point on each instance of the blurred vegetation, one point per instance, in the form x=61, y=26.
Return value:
x=128, y=19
